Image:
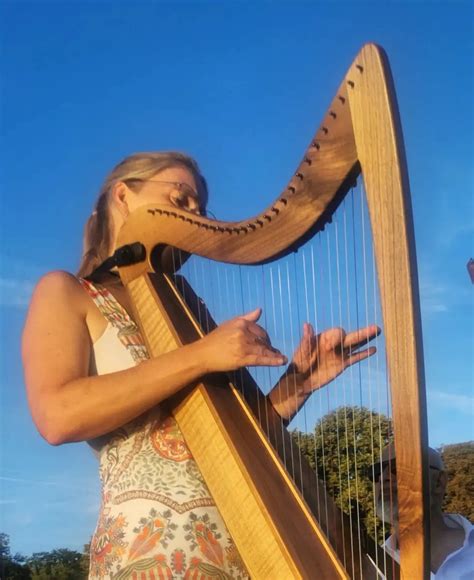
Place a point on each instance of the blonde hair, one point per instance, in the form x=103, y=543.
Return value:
x=97, y=239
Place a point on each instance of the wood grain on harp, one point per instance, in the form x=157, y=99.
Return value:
x=279, y=532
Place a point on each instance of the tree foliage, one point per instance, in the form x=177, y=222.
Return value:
x=459, y=461
x=11, y=567
x=342, y=449
x=62, y=564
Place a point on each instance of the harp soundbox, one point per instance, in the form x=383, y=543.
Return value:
x=274, y=514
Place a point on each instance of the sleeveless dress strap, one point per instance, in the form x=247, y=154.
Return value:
x=116, y=315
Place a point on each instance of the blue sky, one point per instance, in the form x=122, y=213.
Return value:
x=242, y=87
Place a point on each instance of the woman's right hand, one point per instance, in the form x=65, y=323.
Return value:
x=237, y=343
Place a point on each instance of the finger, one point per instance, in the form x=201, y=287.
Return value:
x=308, y=334
x=305, y=330
x=262, y=349
x=362, y=336
x=332, y=339
x=258, y=331
x=310, y=347
x=312, y=341
x=262, y=345
x=306, y=352
x=308, y=327
x=268, y=359
x=359, y=356
x=252, y=316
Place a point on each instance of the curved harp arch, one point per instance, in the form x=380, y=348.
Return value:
x=359, y=134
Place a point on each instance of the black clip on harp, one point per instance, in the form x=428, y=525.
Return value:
x=124, y=256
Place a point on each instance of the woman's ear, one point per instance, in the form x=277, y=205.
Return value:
x=120, y=192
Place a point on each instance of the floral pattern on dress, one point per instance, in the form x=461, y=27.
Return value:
x=152, y=568
x=204, y=571
x=168, y=441
x=203, y=534
x=178, y=561
x=108, y=544
x=151, y=530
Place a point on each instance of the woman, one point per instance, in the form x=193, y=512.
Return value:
x=85, y=384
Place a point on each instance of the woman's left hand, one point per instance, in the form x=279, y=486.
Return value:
x=319, y=359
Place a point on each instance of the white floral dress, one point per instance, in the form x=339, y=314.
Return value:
x=157, y=517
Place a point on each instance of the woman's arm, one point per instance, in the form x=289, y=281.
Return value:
x=68, y=405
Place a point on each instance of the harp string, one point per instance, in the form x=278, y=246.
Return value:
x=315, y=492
x=377, y=344
x=356, y=372
x=301, y=416
x=289, y=281
x=397, y=338
x=274, y=320
x=349, y=379
x=205, y=278
x=254, y=300
x=331, y=393
x=382, y=384
x=345, y=322
x=369, y=362
x=343, y=377
x=308, y=319
x=369, y=373
x=238, y=307
x=352, y=298
x=321, y=393
x=227, y=294
x=290, y=464
x=317, y=398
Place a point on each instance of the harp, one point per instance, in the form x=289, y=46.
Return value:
x=236, y=438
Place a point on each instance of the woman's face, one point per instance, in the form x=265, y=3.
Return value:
x=174, y=187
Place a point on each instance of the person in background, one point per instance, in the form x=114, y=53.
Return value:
x=452, y=535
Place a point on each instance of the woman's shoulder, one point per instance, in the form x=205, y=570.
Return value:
x=60, y=288
x=58, y=278
x=58, y=281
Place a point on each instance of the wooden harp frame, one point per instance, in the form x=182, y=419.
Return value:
x=274, y=528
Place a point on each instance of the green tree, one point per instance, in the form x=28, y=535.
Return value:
x=342, y=449
x=85, y=559
x=62, y=564
x=11, y=567
x=459, y=461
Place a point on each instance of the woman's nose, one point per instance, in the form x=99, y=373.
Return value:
x=178, y=199
x=182, y=200
x=192, y=204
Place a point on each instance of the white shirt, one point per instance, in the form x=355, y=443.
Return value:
x=459, y=565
